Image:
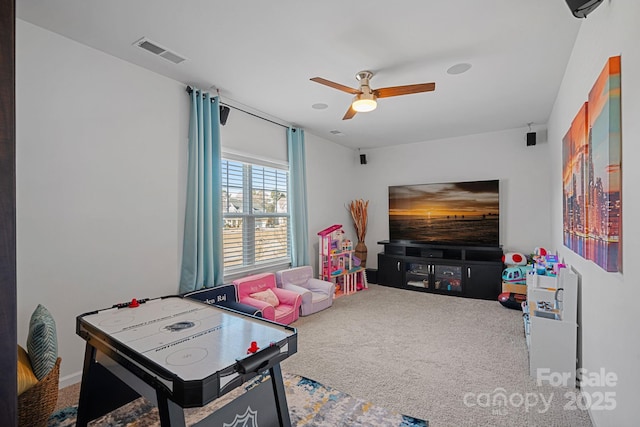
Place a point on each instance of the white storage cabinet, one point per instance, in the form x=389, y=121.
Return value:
x=552, y=334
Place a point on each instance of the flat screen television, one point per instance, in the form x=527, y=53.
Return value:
x=457, y=213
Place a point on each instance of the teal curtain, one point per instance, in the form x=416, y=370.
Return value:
x=202, y=261
x=298, y=198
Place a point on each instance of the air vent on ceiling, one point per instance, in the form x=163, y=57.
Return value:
x=156, y=49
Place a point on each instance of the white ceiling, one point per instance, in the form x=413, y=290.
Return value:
x=262, y=54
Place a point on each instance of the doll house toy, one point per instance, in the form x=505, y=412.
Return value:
x=337, y=262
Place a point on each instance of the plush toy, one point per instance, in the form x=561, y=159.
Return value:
x=514, y=258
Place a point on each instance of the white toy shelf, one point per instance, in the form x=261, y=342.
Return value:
x=551, y=325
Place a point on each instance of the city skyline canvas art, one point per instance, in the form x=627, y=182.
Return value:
x=592, y=197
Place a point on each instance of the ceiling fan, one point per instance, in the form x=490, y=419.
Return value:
x=366, y=98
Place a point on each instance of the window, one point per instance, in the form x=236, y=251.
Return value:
x=255, y=216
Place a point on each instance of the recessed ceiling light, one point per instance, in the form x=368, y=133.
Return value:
x=319, y=106
x=459, y=68
x=336, y=132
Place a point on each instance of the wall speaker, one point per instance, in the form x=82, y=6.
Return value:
x=224, y=114
x=363, y=159
x=531, y=139
x=581, y=8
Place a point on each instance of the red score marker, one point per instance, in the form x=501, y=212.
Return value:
x=254, y=347
x=134, y=303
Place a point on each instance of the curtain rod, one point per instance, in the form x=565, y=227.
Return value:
x=190, y=89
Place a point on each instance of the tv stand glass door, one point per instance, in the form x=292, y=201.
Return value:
x=435, y=276
x=447, y=278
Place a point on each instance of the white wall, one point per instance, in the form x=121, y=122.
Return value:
x=101, y=152
x=331, y=185
x=523, y=173
x=609, y=300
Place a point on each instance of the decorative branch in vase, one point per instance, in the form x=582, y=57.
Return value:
x=358, y=209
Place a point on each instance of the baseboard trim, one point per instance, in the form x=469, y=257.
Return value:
x=71, y=379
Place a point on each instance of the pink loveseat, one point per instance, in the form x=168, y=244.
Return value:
x=286, y=309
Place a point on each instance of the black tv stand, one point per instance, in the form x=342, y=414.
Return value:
x=466, y=271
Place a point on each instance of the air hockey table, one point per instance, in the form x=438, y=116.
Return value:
x=181, y=353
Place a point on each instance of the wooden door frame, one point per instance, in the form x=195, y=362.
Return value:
x=8, y=311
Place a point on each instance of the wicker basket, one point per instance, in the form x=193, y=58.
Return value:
x=36, y=405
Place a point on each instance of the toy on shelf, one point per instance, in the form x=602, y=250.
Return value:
x=546, y=264
x=337, y=262
x=518, y=266
x=539, y=252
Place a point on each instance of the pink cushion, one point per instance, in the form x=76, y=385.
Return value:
x=266, y=296
x=286, y=314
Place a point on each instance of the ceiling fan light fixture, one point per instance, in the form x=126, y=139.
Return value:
x=364, y=103
x=366, y=99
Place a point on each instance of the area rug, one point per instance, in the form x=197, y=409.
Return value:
x=310, y=404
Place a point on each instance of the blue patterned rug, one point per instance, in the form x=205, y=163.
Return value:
x=310, y=404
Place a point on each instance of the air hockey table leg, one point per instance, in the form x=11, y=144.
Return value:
x=171, y=414
x=100, y=391
x=281, y=399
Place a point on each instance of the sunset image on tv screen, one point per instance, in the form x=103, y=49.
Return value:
x=459, y=213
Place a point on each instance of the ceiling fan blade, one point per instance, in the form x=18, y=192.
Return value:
x=335, y=85
x=350, y=113
x=387, y=92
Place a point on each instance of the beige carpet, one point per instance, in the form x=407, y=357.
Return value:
x=430, y=356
